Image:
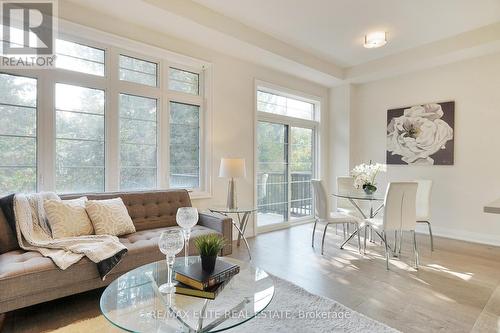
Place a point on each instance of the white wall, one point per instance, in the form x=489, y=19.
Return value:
x=339, y=133
x=233, y=97
x=461, y=190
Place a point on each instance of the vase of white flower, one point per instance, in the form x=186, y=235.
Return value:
x=365, y=176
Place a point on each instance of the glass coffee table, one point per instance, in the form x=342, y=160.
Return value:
x=133, y=302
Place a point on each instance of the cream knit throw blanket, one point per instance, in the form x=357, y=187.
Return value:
x=34, y=234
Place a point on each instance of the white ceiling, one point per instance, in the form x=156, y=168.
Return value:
x=334, y=29
x=321, y=40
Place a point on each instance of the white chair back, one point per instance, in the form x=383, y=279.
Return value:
x=320, y=200
x=400, y=206
x=424, y=199
x=344, y=185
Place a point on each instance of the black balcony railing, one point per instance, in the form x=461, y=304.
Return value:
x=272, y=194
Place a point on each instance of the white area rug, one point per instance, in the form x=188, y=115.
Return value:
x=324, y=314
x=292, y=309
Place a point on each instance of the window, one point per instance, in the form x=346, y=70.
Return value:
x=79, y=139
x=138, y=71
x=102, y=120
x=184, y=145
x=285, y=159
x=18, y=146
x=184, y=81
x=285, y=106
x=137, y=142
x=79, y=58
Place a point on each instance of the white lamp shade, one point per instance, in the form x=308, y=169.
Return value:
x=232, y=168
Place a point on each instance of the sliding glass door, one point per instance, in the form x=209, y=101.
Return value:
x=285, y=155
x=301, y=171
x=272, y=173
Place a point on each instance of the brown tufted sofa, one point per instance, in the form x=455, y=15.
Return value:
x=28, y=278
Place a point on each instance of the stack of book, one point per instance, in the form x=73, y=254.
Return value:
x=194, y=281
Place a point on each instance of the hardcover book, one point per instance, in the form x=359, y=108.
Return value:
x=210, y=293
x=194, y=276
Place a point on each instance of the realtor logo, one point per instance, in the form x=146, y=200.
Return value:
x=28, y=33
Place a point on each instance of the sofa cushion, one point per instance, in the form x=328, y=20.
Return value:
x=148, y=239
x=148, y=210
x=24, y=273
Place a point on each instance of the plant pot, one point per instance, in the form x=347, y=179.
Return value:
x=208, y=263
x=369, y=189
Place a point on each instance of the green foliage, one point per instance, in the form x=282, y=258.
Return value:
x=209, y=245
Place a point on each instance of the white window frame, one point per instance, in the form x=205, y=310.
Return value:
x=112, y=86
x=290, y=122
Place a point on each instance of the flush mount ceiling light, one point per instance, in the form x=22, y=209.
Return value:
x=375, y=39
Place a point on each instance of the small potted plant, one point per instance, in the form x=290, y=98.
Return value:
x=209, y=246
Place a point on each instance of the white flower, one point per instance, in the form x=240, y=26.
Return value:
x=366, y=173
x=418, y=133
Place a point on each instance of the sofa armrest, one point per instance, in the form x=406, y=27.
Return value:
x=222, y=224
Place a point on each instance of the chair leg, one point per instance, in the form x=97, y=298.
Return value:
x=386, y=251
x=359, y=238
x=400, y=241
x=430, y=233
x=415, y=250
x=366, y=235
x=323, y=240
x=395, y=242
x=344, y=230
x=314, y=232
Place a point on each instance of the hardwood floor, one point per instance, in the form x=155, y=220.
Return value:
x=456, y=285
x=456, y=288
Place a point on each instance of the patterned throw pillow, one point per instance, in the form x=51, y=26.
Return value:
x=110, y=217
x=68, y=218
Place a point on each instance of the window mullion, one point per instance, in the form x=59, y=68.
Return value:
x=46, y=161
x=163, y=143
x=112, y=123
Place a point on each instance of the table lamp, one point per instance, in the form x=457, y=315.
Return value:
x=232, y=168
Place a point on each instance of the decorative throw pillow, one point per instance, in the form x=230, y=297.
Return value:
x=110, y=217
x=7, y=206
x=68, y=218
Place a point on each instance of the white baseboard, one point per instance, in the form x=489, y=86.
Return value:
x=473, y=237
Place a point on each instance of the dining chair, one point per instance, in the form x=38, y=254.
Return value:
x=424, y=205
x=345, y=184
x=322, y=214
x=399, y=215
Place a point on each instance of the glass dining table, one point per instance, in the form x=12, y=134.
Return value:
x=355, y=197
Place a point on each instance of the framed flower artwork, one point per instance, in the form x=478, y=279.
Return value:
x=421, y=134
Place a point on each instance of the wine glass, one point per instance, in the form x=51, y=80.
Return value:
x=170, y=243
x=186, y=218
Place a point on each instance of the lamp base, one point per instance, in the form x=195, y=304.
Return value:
x=231, y=194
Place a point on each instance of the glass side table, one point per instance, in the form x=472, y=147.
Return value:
x=243, y=214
